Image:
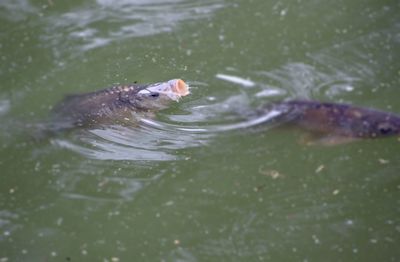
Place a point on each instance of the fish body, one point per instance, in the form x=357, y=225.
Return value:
x=338, y=120
x=118, y=102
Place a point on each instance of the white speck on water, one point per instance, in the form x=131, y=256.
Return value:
x=349, y=222
x=389, y=239
x=348, y=88
x=373, y=240
x=319, y=168
x=86, y=33
x=53, y=254
x=383, y=161
x=59, y=221
x=316, y=240
x=84, y=252
x=37, y=166
x=169, y=203
x=284, y=12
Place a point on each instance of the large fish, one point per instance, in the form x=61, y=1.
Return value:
x=336, y=123
x=118, y=103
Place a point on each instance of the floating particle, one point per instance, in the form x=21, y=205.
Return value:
x=274, y=174
x=319, y=169
x=383, y=161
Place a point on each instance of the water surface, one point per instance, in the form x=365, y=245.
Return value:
x=199, y=182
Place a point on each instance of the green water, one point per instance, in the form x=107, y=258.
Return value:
x=154, y=193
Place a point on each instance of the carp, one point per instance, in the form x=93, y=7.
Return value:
x=336, y=123
x=117, y=103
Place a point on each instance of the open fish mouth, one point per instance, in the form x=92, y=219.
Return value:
x=173, y=89
x=179, y=87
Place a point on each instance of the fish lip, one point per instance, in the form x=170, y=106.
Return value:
x=179, y=87
x=174, y=89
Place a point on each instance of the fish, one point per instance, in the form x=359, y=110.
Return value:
x=336, y=123
x=117, y=104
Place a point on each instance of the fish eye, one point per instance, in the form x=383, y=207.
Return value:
x=154, y=94
x=385, y=128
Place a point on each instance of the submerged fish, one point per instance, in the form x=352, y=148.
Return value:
x=336, y=123
x=117, y=103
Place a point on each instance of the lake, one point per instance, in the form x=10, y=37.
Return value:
x=199, y=182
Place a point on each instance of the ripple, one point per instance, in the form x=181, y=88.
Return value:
x=99, y=24
x=338, y=69
x=144, y=143
x=303, y=80
x=16, y=10
x=266, y=118
x=118, y=188
x=161, y=139
x=4, y=106
x=8, y=223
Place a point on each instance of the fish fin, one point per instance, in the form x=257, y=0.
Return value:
x=329, y=140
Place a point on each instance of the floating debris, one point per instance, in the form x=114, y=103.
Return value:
x=319, y=169
x=236, y=80
x=383, y=161
x=274, y=174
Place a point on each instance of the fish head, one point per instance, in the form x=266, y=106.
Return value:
x=381, y=124
x=160, y=95
x=387, y=128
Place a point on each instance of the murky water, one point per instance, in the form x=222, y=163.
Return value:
x=202, y=181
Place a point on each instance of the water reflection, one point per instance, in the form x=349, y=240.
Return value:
x=8, y=223
x=338, y=69
x=153, y=141
x=4, y=106
x=162, y=139
x=16, y=10
x=109, y=189
x=97, y=25
x=121, y=143
x=303, y=80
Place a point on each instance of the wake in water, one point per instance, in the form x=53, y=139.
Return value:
x=157, y=139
